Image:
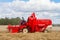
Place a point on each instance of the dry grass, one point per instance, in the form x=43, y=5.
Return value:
x=29, y=36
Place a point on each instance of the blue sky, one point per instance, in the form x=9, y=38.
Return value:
x=43, y=9
x=57, y=1
x=6, y=0
x=11, y=0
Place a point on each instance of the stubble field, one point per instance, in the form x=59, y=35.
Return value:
x=4, y=35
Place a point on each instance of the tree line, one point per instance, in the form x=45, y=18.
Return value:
x=12, y=21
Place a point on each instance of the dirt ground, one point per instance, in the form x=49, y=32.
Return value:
x=28, y=36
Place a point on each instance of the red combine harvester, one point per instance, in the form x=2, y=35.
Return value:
x=31, y=25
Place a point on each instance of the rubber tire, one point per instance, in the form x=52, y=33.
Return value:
x=49, y=29
x=45, y=31
x=25, y=30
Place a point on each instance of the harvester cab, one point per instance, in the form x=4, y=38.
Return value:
x=22, y=22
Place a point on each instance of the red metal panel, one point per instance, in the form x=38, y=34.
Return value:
x=13, y=29
x=35, y=25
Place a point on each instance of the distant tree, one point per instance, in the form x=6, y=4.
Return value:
x=6, y=21
x=2, y=21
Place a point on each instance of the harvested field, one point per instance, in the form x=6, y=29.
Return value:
x=28, y=36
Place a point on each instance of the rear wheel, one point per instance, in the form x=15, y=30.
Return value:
x=25, y=30
x=45, y=31
x=48, y=30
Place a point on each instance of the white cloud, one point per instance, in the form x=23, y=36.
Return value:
x=35, y=5
x=42, y=8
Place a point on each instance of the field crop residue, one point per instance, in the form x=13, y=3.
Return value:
x=4, y=35
x=30, y=36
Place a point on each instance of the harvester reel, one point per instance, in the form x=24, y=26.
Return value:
x=25, y=30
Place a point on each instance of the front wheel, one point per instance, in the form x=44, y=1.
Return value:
x=25, y=30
